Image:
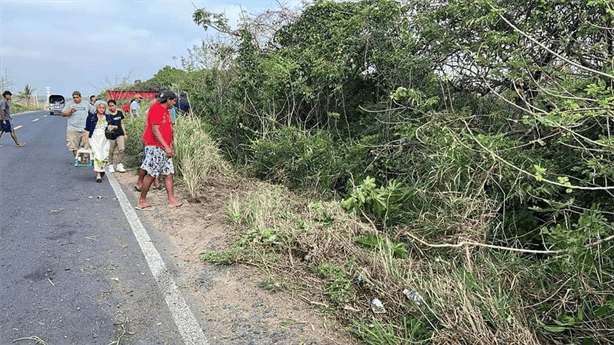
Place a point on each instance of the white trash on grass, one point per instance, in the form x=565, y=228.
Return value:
x=413, y=296
x=377, y=306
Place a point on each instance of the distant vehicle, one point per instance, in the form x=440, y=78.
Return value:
x=56, y=104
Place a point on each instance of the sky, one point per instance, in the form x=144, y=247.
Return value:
x=92, y=45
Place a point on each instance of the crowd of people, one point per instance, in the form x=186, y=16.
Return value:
x=98, y=127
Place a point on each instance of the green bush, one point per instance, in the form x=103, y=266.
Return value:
x=297, y=159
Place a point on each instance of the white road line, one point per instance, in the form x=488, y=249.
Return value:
x=189, y=328
x=35, y=120
x=18, y=127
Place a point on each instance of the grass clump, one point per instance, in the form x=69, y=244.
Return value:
x=223, y=257
x=197, y=156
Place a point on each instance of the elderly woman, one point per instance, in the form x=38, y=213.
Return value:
x=95, y=138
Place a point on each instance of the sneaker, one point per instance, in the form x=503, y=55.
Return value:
x=111, y=169
x=120, y=167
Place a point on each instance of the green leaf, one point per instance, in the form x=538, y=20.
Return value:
x=370, y=241
x=554, y=329
x=603, y=310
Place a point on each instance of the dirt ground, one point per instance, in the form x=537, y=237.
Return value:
x=227, y=300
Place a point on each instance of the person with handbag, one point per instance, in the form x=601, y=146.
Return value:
x=97, y=127
x=119, y=142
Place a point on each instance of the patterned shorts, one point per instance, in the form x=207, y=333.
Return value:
x=156, y=162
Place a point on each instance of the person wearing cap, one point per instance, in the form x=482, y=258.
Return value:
x=5, y=118
x=159, y=151
x=76, y=111
x=135, y=107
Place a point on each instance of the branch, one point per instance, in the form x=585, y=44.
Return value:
x=551, y=51
x=470, y=243
x=526, y=172
x=601, y=241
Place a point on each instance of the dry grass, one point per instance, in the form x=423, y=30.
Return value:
x=461, y=301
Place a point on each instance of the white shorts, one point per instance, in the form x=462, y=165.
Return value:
x=156, y=162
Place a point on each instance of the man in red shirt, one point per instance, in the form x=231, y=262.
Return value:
x=158, y=153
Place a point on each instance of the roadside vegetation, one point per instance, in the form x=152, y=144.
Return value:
x=452, y=159
x=26, y=100
x=18, y=107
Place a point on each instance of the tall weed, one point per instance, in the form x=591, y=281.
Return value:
x=197, y=156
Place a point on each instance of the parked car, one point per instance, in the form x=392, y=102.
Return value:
x=56, y=104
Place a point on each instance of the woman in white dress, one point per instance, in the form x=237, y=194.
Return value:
x=95, y=137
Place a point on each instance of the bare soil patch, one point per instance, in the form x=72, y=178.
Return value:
x=232, y=308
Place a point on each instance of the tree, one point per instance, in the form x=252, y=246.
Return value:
x=5, y=84
x=162, y=80
x=27, y=94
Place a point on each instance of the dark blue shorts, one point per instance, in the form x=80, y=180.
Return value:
x=8, y=127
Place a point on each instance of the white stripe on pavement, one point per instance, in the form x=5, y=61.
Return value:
x=189, y=328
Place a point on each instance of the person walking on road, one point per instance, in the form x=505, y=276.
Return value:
x=95, y=137
x=76, y=110
x=5, y=116
x=159, y=151
x=119, y=142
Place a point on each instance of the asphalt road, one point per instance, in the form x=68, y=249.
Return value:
x=72, y=270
